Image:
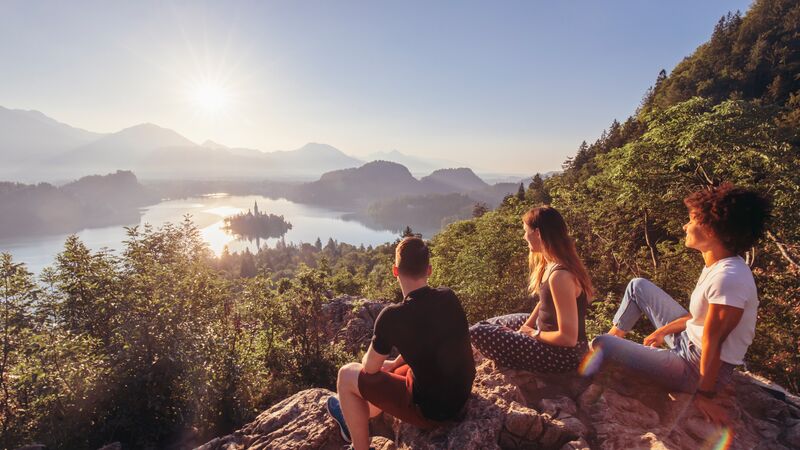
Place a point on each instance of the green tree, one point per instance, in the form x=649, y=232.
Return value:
x=17, y=293
x=537, y=191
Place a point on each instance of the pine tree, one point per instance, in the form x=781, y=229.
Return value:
x=479, y=209
x=248, y=268
x=521, y=192
x=537, y=192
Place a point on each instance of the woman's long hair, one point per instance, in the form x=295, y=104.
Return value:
x=558, y=247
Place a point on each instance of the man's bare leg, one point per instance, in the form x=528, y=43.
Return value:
x=356, y=410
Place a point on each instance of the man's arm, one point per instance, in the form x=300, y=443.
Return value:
x=391, y=364
x=720, y=321
x=656, y=339
x=372, y=360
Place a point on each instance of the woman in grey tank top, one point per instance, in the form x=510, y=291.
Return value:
x=553, y=337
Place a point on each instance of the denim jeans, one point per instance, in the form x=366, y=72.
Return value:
x=676, y=368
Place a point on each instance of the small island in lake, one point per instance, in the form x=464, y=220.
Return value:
x=254, y=225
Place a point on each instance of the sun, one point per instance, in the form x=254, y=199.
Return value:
x=211, y=97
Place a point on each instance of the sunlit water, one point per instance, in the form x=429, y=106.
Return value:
x=208, y=212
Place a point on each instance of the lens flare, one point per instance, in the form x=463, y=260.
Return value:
x=591, y=363
x=722, y=441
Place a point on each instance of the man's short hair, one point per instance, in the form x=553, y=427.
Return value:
x=412, y=257
x=738, y=216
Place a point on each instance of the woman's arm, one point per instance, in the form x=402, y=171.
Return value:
x=530, y=324
x=565, y=291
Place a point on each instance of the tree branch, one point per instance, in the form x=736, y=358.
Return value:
x=782, y=248
x=653, y=251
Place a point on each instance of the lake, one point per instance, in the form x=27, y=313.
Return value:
x=208, y=212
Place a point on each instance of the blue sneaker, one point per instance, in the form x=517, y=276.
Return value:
x=335, y=410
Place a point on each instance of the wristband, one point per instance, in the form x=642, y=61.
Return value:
x=706, y=394
x=536, y=333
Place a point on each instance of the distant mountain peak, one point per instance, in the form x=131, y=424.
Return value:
x=383, y=164
x=214, y=145
x=316, y=147
x=456, y=180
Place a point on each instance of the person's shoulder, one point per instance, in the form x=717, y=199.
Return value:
x=734, y=268
x=732, y=277
x=562, y=275
x=444, y=292
x=389, y=311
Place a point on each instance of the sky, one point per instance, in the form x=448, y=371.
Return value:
x=506, y=87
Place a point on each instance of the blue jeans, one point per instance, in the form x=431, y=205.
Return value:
x=676, y=368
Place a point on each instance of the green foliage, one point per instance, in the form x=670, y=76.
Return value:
x=624, y=207
x=484, y=261
x=423, y=212
x=754, y=57
x=145, y=347
x=163, y=339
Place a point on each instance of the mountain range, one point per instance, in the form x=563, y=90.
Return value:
x=35, y=147
x=356, y=188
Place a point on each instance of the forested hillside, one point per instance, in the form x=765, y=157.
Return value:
x=729, y=112
x=92, y=201
x=165, y=344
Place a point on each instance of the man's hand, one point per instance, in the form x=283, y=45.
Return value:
x=389, y=365
x=656, y=339
x=712, y=411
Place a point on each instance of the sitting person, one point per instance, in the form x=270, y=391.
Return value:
x=431, y=379
x=706, y=342
x=553, y=337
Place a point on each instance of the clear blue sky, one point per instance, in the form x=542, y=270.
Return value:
x=510, y=86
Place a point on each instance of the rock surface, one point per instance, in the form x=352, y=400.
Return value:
x=516, y=410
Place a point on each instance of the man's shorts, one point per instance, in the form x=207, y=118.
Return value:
x=392, y=393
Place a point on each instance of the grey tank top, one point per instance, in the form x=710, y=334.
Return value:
x=548, y=319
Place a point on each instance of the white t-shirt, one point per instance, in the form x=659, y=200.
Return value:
x=727, y=282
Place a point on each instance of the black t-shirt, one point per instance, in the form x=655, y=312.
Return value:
x=430, y=330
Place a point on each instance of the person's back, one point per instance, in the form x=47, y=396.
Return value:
x=430, y=381
x=430, y=330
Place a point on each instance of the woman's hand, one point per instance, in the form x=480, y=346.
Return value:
x=524, y=329
x=656, y=339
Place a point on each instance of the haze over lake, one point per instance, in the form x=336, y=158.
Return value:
x=207, y=212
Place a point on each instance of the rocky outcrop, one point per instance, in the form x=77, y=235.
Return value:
x=517, y=410
x=350, y=320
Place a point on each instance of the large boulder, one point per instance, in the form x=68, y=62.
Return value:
x=519, y=410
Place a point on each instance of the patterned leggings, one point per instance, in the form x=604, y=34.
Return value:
x=497, y=338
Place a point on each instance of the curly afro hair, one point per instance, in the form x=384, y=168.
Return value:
x=737, y=216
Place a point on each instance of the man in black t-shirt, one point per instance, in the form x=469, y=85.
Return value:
x=431, y=379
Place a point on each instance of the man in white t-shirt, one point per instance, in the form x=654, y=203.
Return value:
x=706, y=342
x=729, y=282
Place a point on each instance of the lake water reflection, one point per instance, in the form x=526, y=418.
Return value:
x=207, y=213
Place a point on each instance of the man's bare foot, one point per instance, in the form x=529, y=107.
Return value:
x=614, y=331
